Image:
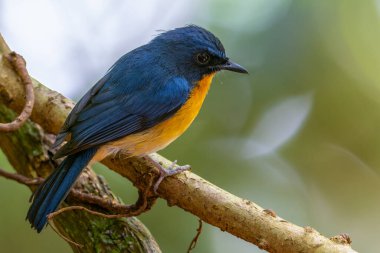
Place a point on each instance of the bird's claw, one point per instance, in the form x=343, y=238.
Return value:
x=172, y=170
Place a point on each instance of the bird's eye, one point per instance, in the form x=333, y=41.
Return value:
x=203, y=58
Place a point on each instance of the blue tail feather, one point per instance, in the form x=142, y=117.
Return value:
x=55, y=188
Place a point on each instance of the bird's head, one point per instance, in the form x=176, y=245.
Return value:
x=193, y=52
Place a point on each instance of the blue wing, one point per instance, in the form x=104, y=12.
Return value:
x=118, y=106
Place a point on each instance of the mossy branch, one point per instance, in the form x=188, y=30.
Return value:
x=188, y=191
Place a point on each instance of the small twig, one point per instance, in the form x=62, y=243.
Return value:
x=195, y=239
x=19, y=65
x=20, y=178
x=142, y=204
x=64, y=237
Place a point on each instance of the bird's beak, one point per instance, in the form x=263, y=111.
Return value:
x=232, y=66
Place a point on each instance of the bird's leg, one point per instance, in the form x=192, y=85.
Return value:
x=173, y=169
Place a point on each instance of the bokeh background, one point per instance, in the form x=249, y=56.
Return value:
x=299, y=135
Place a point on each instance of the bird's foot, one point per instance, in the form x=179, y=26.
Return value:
x=173, y=169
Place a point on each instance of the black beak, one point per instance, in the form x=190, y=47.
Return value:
x=232, y=66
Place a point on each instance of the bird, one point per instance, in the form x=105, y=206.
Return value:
x=146, y=100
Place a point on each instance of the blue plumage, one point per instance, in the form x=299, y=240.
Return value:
x=56, y=186
x=142, y=89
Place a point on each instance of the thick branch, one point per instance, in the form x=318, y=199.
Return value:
x=237, y=216
x=240, y=217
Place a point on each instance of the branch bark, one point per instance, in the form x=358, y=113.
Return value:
x=188, y=191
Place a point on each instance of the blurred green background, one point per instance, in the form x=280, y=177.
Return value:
x=299, y=135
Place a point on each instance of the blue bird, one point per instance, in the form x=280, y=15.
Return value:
x=147, y=99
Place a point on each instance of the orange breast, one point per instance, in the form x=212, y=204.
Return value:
x=161, y=135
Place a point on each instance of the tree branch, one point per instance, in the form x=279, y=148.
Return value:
x=19, y=66
x=188, y=191
x=240, y=217
x=20, y=178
